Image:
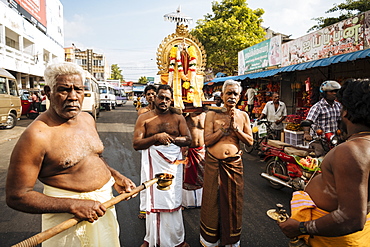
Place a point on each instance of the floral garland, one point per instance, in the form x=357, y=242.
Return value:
x=171, y=68
x=192, y=65
x=175, y=58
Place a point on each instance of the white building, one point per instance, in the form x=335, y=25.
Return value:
x=31, y=37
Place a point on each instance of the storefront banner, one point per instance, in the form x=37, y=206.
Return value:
x=34, y=11
x=138, y=88
x=275, y=51
x=128, y=89
x=343, y=37
x=262, y=55
x=366, y=27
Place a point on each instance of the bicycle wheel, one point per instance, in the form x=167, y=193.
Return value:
x=248, y=149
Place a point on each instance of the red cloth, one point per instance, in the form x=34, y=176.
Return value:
x=35, y=98
x=194, y=169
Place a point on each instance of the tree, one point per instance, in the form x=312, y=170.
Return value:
x=231, y=28
x=143, y=80
x=347, y=10
x=116, y=73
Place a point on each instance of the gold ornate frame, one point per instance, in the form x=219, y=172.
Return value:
x=181, y=35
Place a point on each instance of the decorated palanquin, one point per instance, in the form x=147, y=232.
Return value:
x=181, y=61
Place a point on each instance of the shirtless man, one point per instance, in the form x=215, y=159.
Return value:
x=194, y=168
x=160, y=134
x=334, y=209
x=62, y=149
x=223, y=176
x=149, y=92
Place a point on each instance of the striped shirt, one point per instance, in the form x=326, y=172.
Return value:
x=325, y=116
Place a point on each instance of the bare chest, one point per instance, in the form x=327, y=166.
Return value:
x=71, y=147
x=222, y=120
x=159, y=125
x=195, y=123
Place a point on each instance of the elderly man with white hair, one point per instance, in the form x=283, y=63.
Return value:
x=61, y=148
x=222, y=200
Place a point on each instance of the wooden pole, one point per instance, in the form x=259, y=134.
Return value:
x=45, y=235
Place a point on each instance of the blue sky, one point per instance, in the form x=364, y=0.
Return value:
x=129, y=32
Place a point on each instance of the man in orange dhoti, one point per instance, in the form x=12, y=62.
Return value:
x=304, y=209
x=334, y=209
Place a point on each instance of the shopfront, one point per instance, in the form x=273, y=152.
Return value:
x=336, y=52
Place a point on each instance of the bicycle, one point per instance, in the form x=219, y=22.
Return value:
x=257, y=141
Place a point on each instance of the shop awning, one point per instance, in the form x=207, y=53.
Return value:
x=222, y=79
x=262, y=74
x=297, y=67
x=328, y=61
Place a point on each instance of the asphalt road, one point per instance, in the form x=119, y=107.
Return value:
x=116, y=131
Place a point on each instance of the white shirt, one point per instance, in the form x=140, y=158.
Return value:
x=273, y=116
x=251, y=92
x=143, y=101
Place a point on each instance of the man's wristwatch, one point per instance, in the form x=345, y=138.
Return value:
x=302, y=228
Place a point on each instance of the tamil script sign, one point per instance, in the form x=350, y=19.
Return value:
x=259, y=56
x=347, y=36
x=343, y=37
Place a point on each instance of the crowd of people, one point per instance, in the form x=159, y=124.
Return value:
x=202, y=151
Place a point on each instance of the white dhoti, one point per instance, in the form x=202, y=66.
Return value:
x=103, y=232
x=192, y=198
x=143, y=177
x=164, y=224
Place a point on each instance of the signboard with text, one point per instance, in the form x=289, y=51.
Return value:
x=33, y=10
x=343, y=37
x=262, y=55
x=137, y=88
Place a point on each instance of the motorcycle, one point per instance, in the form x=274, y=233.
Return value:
x=294, y=167
x=289, y=166
x=322, y=142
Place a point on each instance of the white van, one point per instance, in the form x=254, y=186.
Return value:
x=121, y=96
x=91, y=103
x=10, y=102
x=107, y=97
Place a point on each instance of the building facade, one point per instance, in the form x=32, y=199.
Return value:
x=93, y=62
x=31, y=38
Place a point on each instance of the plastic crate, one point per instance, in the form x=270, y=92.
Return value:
x=294, y=138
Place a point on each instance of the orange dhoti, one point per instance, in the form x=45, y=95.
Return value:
x=304, y=209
